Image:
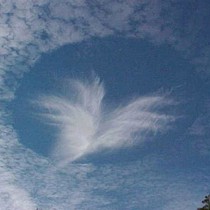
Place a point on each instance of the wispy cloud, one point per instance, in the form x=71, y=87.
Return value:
x=85, y=126
x=199, y=134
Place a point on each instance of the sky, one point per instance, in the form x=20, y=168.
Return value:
x=104, y=104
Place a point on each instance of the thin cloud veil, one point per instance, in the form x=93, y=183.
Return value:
x=85, y=126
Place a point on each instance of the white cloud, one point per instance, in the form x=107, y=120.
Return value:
x=29, y=28
x=12, y=195
x=29, y=181
x=85, y=126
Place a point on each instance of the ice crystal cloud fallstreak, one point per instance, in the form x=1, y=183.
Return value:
x=85, y=126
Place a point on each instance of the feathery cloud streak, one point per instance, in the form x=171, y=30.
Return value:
x=85, y=126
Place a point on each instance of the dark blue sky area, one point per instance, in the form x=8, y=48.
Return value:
x=129, y=68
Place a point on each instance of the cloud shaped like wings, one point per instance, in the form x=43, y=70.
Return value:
x=86, y=127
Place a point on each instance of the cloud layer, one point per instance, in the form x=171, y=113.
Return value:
x=30, y=28
x=85, y=126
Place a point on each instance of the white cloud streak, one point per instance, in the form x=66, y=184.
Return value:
x=29, y=181
x=85, y=126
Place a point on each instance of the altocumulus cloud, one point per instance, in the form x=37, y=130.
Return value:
x=85, y=126
x=30, y=28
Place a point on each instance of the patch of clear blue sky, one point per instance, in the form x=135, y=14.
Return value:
x=129, y=68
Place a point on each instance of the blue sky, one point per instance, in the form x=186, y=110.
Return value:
x=104, y=104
